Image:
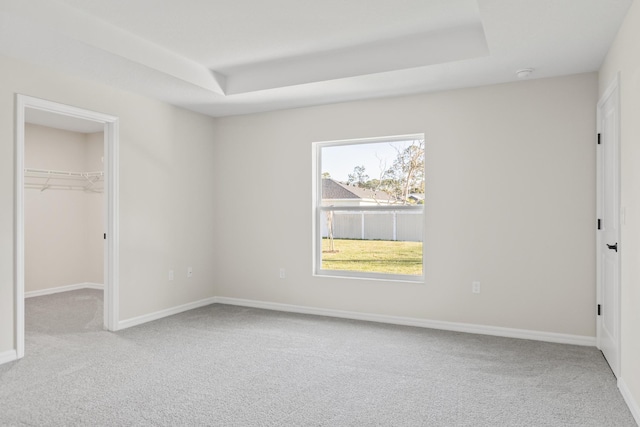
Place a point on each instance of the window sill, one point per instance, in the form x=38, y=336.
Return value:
x=379, y=277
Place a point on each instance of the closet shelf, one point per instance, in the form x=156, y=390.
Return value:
x=63, y=180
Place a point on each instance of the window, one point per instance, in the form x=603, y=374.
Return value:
x=369, y=208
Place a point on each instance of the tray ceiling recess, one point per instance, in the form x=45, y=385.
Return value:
x=243, y=56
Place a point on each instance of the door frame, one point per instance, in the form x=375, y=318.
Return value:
x=111, y=143
x=612, y=90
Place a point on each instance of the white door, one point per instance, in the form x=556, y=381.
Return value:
x=608, y=235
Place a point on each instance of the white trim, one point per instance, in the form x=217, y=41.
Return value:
x=139, y=320
x=8, y=356
x=67, y=288
x=316, y=200
x=112, y=221
x=422, y=323
x=21, y=103
x=363, y=275
x=613, y=86
x=634, y=407
x=373, y=140
x=111, y=139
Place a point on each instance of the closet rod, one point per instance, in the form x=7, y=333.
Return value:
x=54, y=173
x=42, y=187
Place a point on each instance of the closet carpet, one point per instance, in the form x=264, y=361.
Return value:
x=229, y=366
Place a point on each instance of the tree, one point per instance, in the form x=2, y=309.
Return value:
x=406, y=175
x=358, y=177
x=330, y=230
x=326, y=175
x=372, y=184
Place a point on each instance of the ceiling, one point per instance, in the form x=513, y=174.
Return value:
x=229, y=57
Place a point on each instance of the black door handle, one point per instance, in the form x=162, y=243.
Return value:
x=614, y=247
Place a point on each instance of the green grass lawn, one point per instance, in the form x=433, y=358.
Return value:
x=379, y=256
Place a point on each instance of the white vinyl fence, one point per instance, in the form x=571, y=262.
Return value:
x=402, y=226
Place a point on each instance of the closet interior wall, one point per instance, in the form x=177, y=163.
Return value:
x=63, y=227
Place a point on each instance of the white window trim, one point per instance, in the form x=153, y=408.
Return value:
x=317, y=210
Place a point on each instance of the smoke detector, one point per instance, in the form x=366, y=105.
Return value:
x=524, y=73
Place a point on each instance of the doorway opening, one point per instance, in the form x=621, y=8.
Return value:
x=89, y=141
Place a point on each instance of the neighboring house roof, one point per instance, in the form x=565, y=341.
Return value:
x=332, y=189
x=416, y=196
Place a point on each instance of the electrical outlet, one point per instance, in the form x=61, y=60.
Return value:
x=170, y=275
x=283, y=274
x=475, y=287
x=189, y=272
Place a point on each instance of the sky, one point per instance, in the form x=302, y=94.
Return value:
x=340, y=160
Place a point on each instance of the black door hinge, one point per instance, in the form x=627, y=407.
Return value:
x=105, y=236
x=599, y=223
x=599, y=310
x=598, y=139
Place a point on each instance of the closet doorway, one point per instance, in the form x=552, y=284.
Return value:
x=66, y=196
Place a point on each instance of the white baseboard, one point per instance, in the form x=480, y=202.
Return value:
x=134, y=321
x=422, y=323
x=66, y=288
x=8, y=356
x=380, y=318
x=634, y=407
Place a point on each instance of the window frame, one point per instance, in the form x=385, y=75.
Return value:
x=318, y=209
